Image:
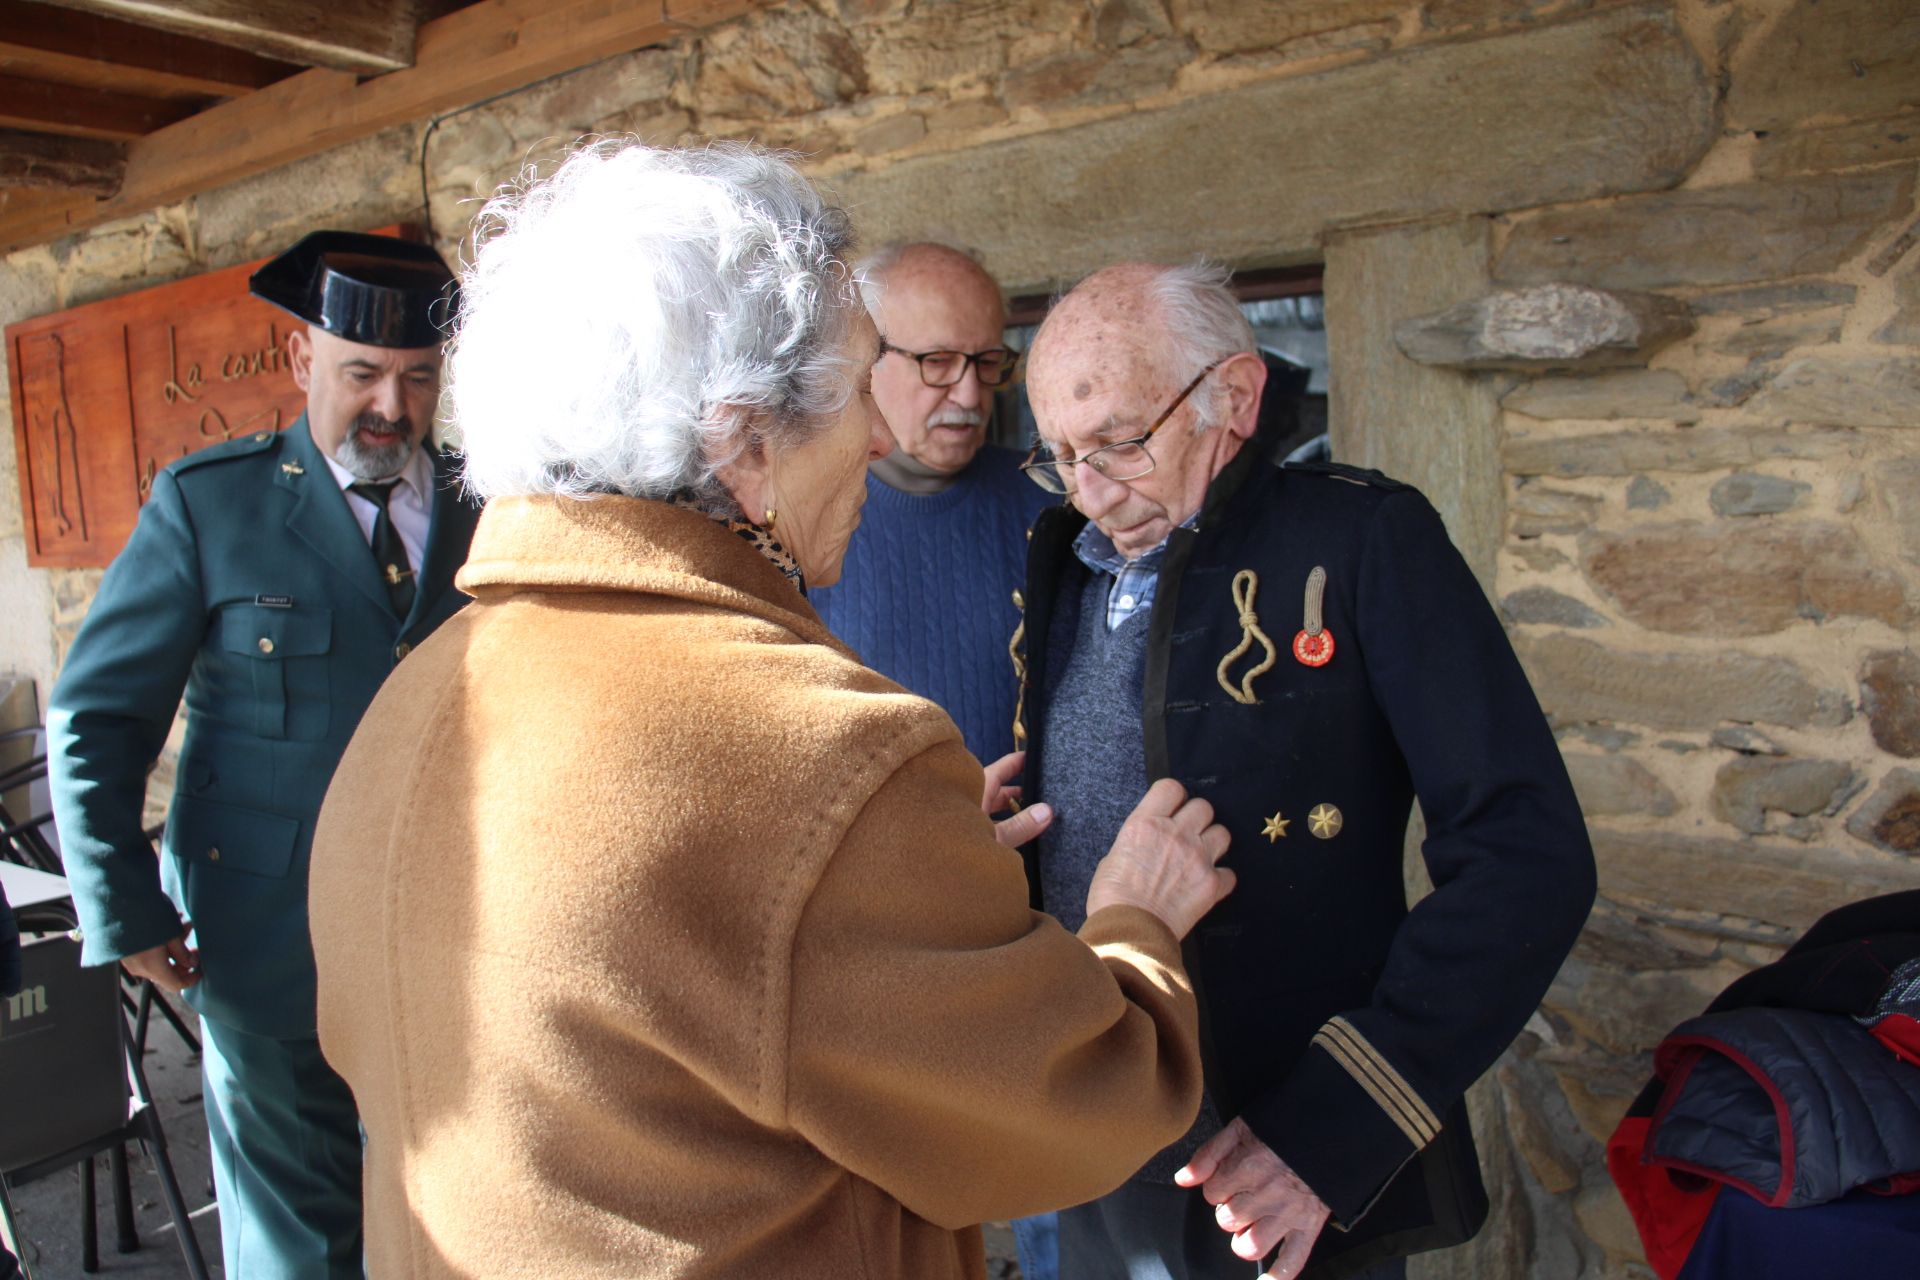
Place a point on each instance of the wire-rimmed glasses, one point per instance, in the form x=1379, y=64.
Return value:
x=1122, y=460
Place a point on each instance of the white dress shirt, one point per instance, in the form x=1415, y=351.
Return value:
x=409, y=506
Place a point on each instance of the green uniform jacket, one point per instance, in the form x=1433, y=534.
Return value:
x=248, y=587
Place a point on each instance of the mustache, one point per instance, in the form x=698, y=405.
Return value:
x=958, y=416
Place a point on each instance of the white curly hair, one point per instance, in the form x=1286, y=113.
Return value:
x=633, y=322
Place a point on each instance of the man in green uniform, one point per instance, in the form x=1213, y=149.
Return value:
x=273, y=582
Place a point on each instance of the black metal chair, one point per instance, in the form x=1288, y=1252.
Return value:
x=25, y=842
x=71, y=1087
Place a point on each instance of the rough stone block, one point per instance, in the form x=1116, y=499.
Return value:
x=1629, y=1011
x=1119, y=23
x=1610, y=785
x=1775, y=299
x=1899, y=482
x=966, y=117
x=1544, y=605
x=777, y=63
x=1478, y=15
x=1746, y=740
x=1549, y=326
x=1790, y=887
x=1904, y=328
x=1624, y=453
x=1633, y=393
x=371, y=182
x=1646, y=494
x=1890, y=819
x=1747, y=494
x=1231, y=26
x=1846, y=390
x=1708, y=581
x=954, y=41
x=1838, y=146
x=1578, y=680
x=1771, y=338
x=1718, y=235
x=890, y=133
x=1890, y=699
x=1620, y=88
x=1544, y=1150
x=1092, y=77
x=1536, y=509
x=1746, y=789
x=1847, y=58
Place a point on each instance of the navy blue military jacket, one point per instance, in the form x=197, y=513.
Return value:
x=1342, y=1029
x=248, y=588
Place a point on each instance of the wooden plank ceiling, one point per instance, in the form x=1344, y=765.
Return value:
x=112, y=107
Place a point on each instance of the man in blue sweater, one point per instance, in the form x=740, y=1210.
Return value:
x=926, y=596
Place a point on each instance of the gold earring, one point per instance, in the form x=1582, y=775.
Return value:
x=772, y=516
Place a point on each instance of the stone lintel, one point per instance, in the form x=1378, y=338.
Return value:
x=1258, y=175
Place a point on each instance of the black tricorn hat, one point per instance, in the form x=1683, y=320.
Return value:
x=369, y=289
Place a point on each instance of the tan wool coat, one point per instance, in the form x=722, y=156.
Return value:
x=659, y=937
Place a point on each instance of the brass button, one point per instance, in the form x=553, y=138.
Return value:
x=261, y=436
x=266, y=645
x=401, y=650
x=213, y=853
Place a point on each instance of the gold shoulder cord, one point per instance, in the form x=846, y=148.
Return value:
x=1019, y=656
x=1245, y=584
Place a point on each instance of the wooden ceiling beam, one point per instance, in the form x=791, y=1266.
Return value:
x=363, y=36
x=40, y=42
x=471, y=54
x=41, y=107
x=40, y=162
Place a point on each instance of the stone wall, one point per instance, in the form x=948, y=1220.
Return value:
x=1708, y=550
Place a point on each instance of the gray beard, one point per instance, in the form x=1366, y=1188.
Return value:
x=363, y=461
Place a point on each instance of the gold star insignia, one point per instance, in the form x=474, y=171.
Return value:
x=1325, y=821
x=1277, y=828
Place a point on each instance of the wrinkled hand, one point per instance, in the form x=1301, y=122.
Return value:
x=1000, y=795
x=1257, y=1199
x=1163, y=860
x=171, y=966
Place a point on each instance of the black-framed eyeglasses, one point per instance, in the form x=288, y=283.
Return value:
x=1122, y=460
x=994, y=366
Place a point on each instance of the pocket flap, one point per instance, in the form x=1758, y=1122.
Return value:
x=262, y=631
x=225, y=835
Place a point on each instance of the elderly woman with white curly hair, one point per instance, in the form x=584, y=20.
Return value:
x=656, y=935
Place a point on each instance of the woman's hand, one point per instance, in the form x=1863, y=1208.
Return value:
x=1001, y=792
x=1163, y=860
x=1001, y=795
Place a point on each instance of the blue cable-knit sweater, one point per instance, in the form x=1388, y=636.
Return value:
x=926, y=597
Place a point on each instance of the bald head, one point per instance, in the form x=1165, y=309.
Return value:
x=1129, y=344
x=1106, y=324
x=929, y=297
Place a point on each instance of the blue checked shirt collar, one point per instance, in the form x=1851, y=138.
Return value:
x=1134, y=581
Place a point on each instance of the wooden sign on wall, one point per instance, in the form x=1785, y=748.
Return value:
x=106, y=395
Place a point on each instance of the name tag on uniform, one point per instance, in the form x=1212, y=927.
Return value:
x=274, y=602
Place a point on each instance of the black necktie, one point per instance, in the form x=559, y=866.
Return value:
x=389, y=553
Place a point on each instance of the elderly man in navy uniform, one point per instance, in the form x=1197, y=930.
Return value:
x=273, y=581
x=1303, y=647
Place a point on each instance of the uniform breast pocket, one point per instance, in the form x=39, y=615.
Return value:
x=286, y=652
